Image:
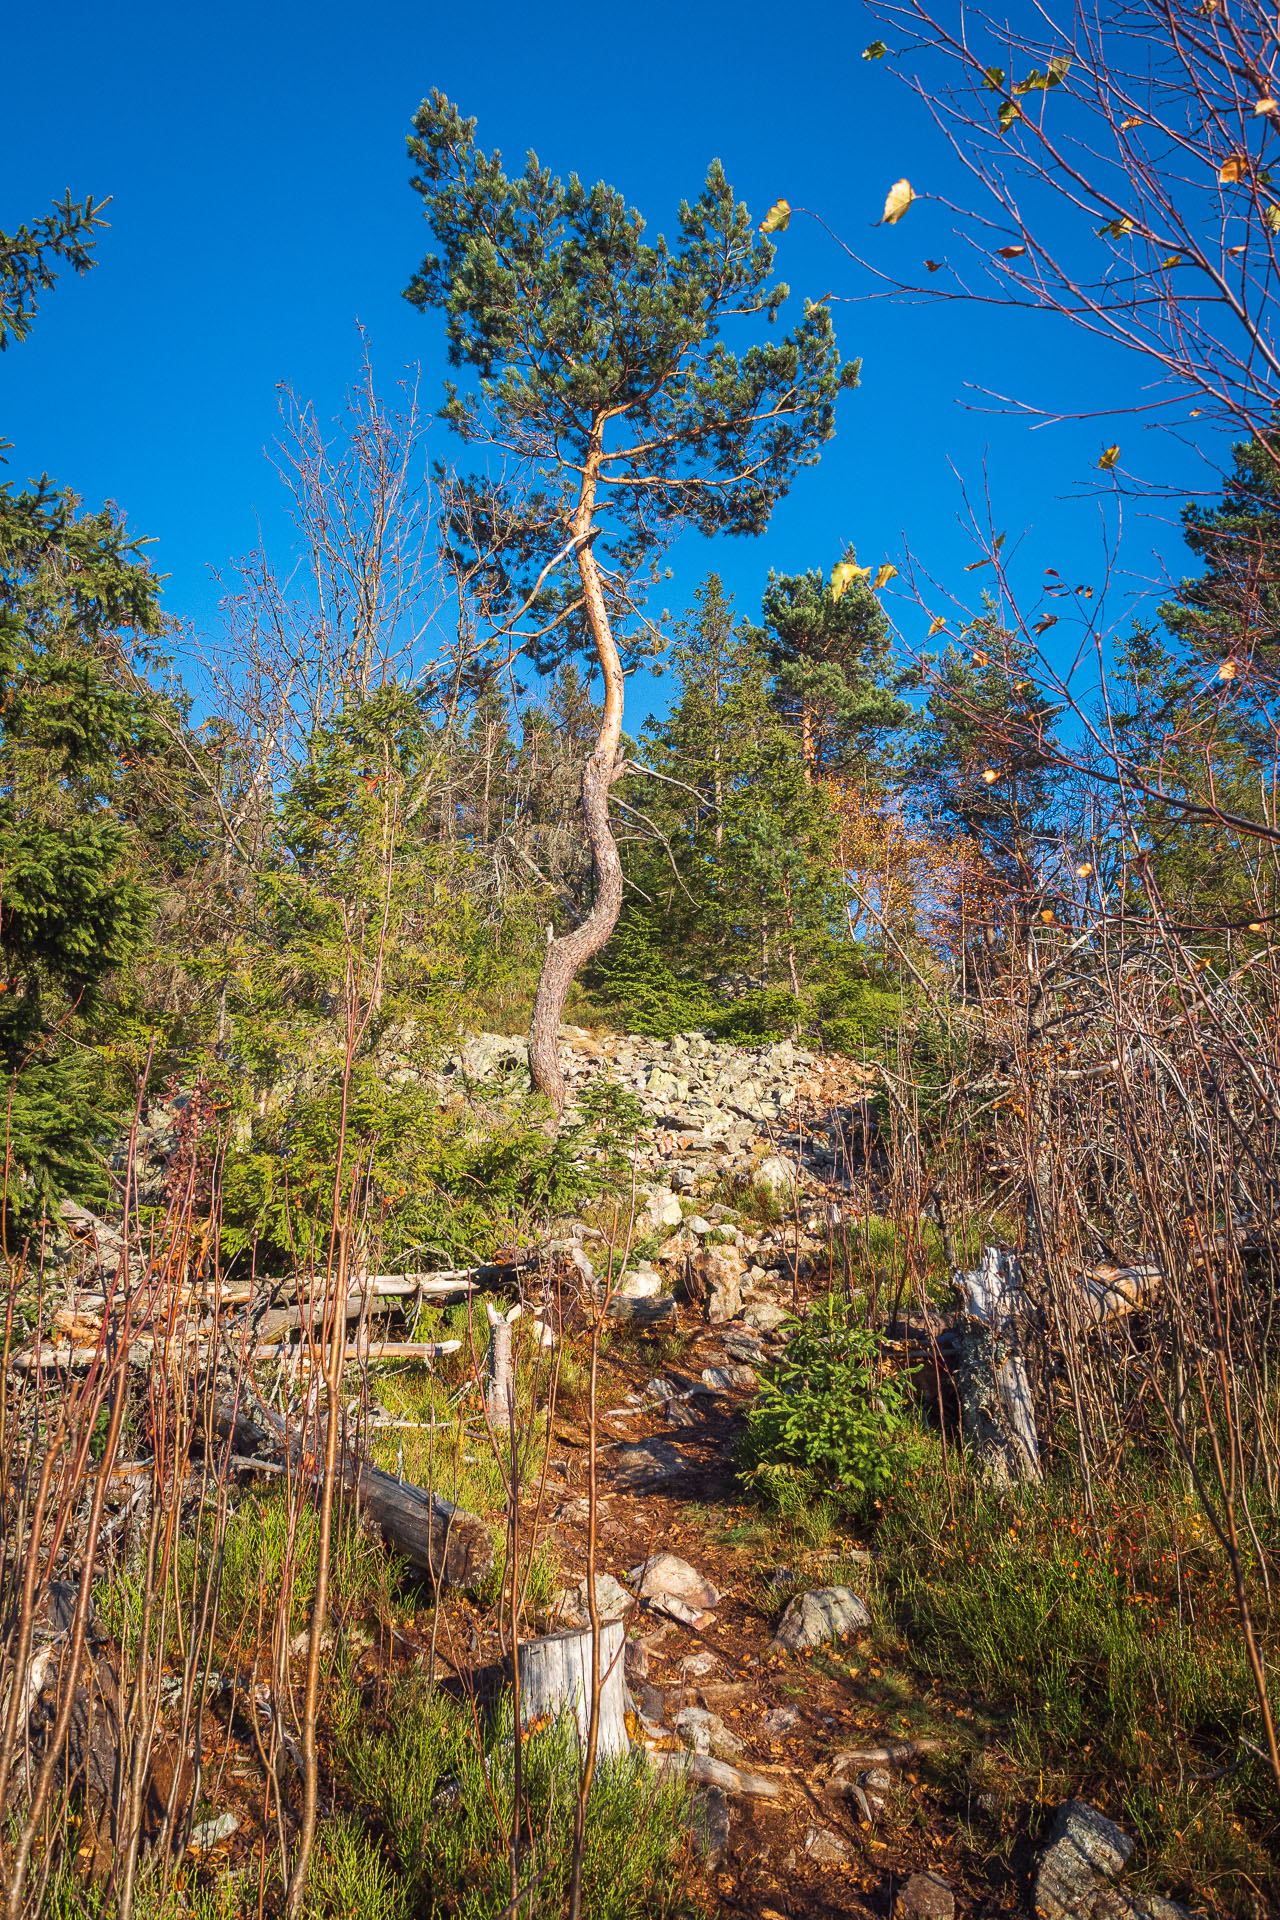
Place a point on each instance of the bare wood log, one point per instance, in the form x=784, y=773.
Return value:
x=453, y=1547
x=706, y=1771
x=1108, y=1293
x=555, y=1678
x=994, y=1385
x=898, y=1753
x=402, y=1350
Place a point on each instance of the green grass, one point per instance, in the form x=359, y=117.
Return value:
x=1107, y=1664
x=434, y=1784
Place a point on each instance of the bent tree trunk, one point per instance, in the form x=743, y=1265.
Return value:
x=568, y=952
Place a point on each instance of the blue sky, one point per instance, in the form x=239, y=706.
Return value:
x=261, y=208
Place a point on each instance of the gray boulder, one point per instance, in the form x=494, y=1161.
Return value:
x=811, y=1619
x=925, y=1896
x=1086, y=1852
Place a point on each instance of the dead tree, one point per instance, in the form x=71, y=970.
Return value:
x=991, y=1372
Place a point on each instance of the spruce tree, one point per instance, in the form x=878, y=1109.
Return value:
x=74, y=742
x=605, y=374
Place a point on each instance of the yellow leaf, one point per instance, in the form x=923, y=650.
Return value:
x=1109, y=459
x=1228, y=670
x=1047, y=916
x=936, y=626
x=1232, y=251
x=777, y=219
x=876, y=51
x=934, y=266
x=1266, y=105
x=1171, y=260
x=1134, y=120
x=884, y=574
x=1233, y=169
x=981, y=658
x=1009, y=112
x=843, y=575
x=990, y=775
x=1083, y=870
x=1010, y=253
x=1043, y=626
x=975, y=564
x=898, y=200
x=1271, y=215
x=1115, y=229
x=993, y=77
x=1085, y=592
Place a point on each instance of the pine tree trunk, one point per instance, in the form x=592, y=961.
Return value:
x=568, y=952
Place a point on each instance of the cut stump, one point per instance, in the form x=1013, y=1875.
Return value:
x=555, y=1678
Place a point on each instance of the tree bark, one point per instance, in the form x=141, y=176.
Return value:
x=567, y=953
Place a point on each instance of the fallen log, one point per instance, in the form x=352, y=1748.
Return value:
x=898, y=1753
x=997, y=1413
x=555, y=1678
x=704, y=1771
x=451, y=1546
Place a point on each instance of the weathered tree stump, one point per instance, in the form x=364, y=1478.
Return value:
x=555, y=1678
x=997, y=1413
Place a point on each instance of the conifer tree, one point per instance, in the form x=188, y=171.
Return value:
x=74, y=739
x=830, y=660
x=605, y=372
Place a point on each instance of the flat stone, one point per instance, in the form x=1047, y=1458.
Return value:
x=696, y=1224
x=1085, y=1852
x=655, y=1464
x=825, y=1847
x=579, y=1508
x=210, y=1833
x=612, y=1600
x=696, y=1666
x=779, y=1720
x=664, y=1575
x=640, y=1283
x=729, y=1379
x=777, y=1174
x=925, y=1896
x=812, y=1619
x=663, y=1208
x=654, y=1312
x=709, y=1825
x=705, y=1732
x=765, y=1315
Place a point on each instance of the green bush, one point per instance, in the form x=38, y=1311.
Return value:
x=829, y=1421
